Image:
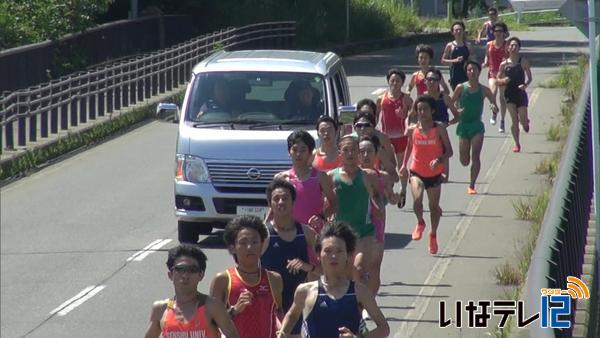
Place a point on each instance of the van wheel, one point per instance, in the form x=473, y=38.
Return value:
x=187, y=232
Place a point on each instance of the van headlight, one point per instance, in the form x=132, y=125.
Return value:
x=191, y=169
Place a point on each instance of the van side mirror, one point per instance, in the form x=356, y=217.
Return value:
x=346, y=114
x=165, y=109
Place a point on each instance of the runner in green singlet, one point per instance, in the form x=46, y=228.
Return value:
x=469, y=96
x=354, y=189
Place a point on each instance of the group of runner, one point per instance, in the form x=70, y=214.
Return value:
x=312, y=266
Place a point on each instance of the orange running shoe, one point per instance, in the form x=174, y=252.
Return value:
x=418, y=232
x=433, y=245
x=471, y=191
x=517, y=148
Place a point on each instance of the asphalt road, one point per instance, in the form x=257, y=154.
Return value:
x=80, y=224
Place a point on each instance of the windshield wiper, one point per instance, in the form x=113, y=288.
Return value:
x=280, y=123
x=231, y=123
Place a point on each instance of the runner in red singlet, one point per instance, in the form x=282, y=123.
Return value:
x=327, y=156
x=252, y=294
x=424, y=55
x=189, y=313
x=495, y=52
x=392, y=109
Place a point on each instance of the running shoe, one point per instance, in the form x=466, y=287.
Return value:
x=501, y=129
x=493, y=119
x=471, y=191
x=418, y=232
x=365, y=315
x=517, y=148
x=433, y=245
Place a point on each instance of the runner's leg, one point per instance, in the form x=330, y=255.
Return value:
x=476, y=145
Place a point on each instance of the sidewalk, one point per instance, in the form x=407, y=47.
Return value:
x=468, y=273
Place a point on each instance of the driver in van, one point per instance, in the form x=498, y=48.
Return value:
x=302, y=101
x=220, y=100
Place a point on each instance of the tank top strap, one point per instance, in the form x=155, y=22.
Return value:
x=292, y=173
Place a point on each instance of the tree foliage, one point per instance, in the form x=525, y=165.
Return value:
x=28, y=21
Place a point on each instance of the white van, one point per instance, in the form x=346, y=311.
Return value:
x=238, y=111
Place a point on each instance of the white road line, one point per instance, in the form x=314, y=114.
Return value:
x=81, y=300
x=83, y=292
x=152, y=249
x=419, y=306
x=143, y=250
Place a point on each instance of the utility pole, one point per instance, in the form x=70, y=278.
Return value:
x=347, y=21
x=134, y=9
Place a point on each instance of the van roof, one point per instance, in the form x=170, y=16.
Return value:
x=268, y=60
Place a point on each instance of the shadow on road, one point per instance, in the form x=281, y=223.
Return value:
x=414, y=284
x=396, y=241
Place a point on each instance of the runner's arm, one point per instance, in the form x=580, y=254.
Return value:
x=389, y=188
x=411, y=84
x=502, y=79
x=491, y=97
x=311, y=239
x=277, y=288
x=407, y=151
x=486, y=58
x=218, y=287
x=387, y=151
x=527, y=69
x=368, y=302
x=445, y=88
x=443, y=134
x=221, y=318
x=446, y=55
x=326, y=183
x=154, y=330
x=456, y=94
x=295, y=311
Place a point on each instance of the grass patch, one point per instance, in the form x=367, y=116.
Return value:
x=507, y=274
x=553, y=133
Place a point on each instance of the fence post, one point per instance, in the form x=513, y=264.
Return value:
x=65, y=90
x=33, y=103
x=54, y=99
x=109, y=90
x=117, y=83
x=181, y=64
x=74, y=97
x=169, y=69
x=92, y=92
x=147, y=77
x=160, y=68
x=133, y=74
x=154, y=74
x=23, y=106
x=46, y=103
x=125, y=83
x=101, y=87
x=9, y=131
x=140, y=76
x=83, y=97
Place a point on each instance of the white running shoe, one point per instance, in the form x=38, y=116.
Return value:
x=365, y=315
x=501, y=129
x=493, y=120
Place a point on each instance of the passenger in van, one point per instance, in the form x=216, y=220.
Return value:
x=303, y=101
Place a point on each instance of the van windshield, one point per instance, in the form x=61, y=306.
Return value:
x=256, y=97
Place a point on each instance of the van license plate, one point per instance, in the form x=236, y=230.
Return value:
x=256, y=211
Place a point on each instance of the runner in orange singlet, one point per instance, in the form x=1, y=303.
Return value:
x=428, y=145
x=327, y=156
x=189, y=313
x=392, y=110
x=252, y=294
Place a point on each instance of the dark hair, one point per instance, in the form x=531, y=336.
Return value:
x=304, y=137
x=367, y=102
x=421, y=48
x=492, y=10
x=365, y=114
x=471, y=62
x=514, y=38
x=426, y=99
x=460, y=23
x=435, y=71
x=348, y=137
x=396, y=71
x=188, y=250
x=373, y=139
x=327, y=119
x=500, y=25
x=239, y=223
x=283, y=184
x=339, y=229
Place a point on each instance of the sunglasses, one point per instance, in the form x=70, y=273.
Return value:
x=429, y=78
x=186, y=268
x=361, y=125
x=498, y=31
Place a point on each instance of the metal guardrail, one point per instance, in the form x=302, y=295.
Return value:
x=559, y=250
x=77, y=98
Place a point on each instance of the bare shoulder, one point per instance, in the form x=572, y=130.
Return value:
x=274, y=276
x=213, y=304
x=305, y=288
x=158, y=308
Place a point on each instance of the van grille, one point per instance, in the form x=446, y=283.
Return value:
x=244, y=177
